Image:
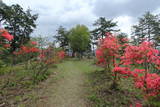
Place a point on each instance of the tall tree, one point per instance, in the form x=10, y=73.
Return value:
x=147, y=28
x=103, y=26
x=18, y=22
x=79, y=39
x=62, y=37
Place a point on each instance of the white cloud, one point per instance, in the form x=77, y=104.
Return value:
x=53, y=13
x=157, y=11
x=58, y=12
x=125, y=23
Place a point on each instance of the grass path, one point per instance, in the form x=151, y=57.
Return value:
x=68, y=88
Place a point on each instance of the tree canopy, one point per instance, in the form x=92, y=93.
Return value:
x=148, y=28
x=18, y=22
x=79, y=38
x=103, y=26
x=62, y=37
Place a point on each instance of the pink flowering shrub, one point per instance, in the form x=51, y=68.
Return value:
x=147, y=56
x=127, y=65
x=61, y=54
x=108, y=51
x=5, y=34
x=5, y=44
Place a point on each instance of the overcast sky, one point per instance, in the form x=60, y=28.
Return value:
x=53, y=13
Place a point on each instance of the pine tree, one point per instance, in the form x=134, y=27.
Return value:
x=148, y=29
x=62, y=37
x=103, y=26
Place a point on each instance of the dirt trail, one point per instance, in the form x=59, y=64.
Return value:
x=69, y=90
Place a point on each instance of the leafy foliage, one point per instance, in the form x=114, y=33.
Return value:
x=108, y=53
x=79, y=39
x=103, y=26
x=62, y=37
x=147, y=29
x=19, y=23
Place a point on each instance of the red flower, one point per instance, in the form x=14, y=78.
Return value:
x=27, y=50
x=34, y=43
x=152, y=84
x=138, y=54
x=61, y=54
x=100, y=57
x=6, y=35
x=123, y=71
x=108, y=48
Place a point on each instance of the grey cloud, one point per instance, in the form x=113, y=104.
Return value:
x=133, y=8
x=68, y=13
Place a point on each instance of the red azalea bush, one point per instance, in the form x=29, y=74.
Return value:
x=43, y=61
x=5, y=40
x=61, y=54
x=37, y=61
x=147, y=56
x=108, y=51
x=150, y=84
x=29, y=48
x=31, y=64
x=26, y=52
x=34, y=43
x=108, y=55
x=5, y=34
x=144, y=53
x=125, y=65
x=32, y=51
x=47, y=55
